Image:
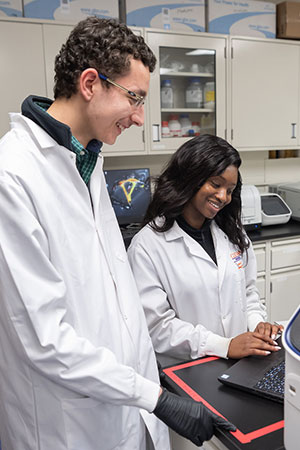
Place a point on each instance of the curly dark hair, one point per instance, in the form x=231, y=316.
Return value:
x=189, y=168
x=102, y=44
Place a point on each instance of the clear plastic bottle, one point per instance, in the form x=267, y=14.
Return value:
x=194, y=94
x=165, y=130
x=174, y=126
x=185, y=123
x=166, y=94
x=209, y=95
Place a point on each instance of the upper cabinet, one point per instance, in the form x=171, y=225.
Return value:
x=264, y=94
x=187, y=93
x=54, y=36
x=245, y=90
x=21, y=66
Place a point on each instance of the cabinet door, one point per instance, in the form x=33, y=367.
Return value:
x=260, y=253
x=193, y=67
x=54, y=37
x=285, y=254
x=285, y=289
x=265, y=98
x=22, y=66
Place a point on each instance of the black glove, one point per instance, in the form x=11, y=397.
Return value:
x=161, y=373
x=189, y=418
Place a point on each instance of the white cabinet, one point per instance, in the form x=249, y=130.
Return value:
x=264, y=93
x=181, y=59
x=284, y=299
x=278, y=276
x=22, y=66
x=54, y=36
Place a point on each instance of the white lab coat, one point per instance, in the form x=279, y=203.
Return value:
x=77, y=366
x=193, y=306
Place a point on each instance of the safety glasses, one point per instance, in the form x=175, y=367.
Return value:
x=138, y=99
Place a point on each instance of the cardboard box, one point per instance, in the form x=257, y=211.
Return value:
x=288, y=20
x=242, y=18
x=11, y=8
x=184, y=15
x=70, y=10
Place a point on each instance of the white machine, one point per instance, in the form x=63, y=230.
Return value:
x=291, y=342
x=251, y=207
x=290, y=192
x=274, y=210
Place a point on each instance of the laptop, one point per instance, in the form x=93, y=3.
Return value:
x=259, y=375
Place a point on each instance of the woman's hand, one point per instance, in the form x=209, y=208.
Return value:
x=251, y=343
x=269, y=329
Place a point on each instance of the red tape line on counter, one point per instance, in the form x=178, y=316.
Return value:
x=239, y=435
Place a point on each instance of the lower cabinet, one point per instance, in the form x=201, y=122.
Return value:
x=278, y=276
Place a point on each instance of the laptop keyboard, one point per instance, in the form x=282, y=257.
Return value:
x=273, y=380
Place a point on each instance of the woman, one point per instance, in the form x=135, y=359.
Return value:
x=194, y=265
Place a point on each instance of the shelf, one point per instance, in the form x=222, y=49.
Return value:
x=169, y=72
x=187, y=110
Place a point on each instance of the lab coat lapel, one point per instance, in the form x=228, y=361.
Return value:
x=221, y=244
x=193, y=247
x=101, y=206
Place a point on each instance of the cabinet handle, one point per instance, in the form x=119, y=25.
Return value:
x=293, y=131
x=156, y=132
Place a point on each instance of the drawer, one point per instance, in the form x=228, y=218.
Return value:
x=285, y=289
x=261, y=286
x=260, y=253
x=285, y=255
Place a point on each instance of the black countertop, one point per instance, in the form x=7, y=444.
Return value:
x=290, y=229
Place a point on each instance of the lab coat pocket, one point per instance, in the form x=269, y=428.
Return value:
x=90, y=424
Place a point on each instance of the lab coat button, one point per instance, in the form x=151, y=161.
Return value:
x=224, y=317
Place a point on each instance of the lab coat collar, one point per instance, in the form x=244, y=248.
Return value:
x=59, y=131
x=193, y=246
x=19, y=121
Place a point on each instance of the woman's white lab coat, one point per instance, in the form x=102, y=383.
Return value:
x=77, y=366
x=193, y=306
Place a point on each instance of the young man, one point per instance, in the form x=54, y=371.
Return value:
x=77, y=366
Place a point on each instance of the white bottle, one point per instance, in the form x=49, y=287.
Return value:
x=166, y=94
x=194, y=94
x=174, y=126
x=209, y=95
x=196, y=128
x=165, y=130
x=186, y=124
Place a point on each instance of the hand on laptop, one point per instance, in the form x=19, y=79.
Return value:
x=251, y=343
x=269, y=329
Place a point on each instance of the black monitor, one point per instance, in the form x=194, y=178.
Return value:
x=129, y=191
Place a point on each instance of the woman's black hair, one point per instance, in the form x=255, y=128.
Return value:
x=189, y=168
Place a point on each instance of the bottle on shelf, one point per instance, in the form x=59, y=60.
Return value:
x=194, y=94
x=196, y=128
x=165, y=130
x=166, y=94
x=209, y=95
x=174, y=125
x=185, y=123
